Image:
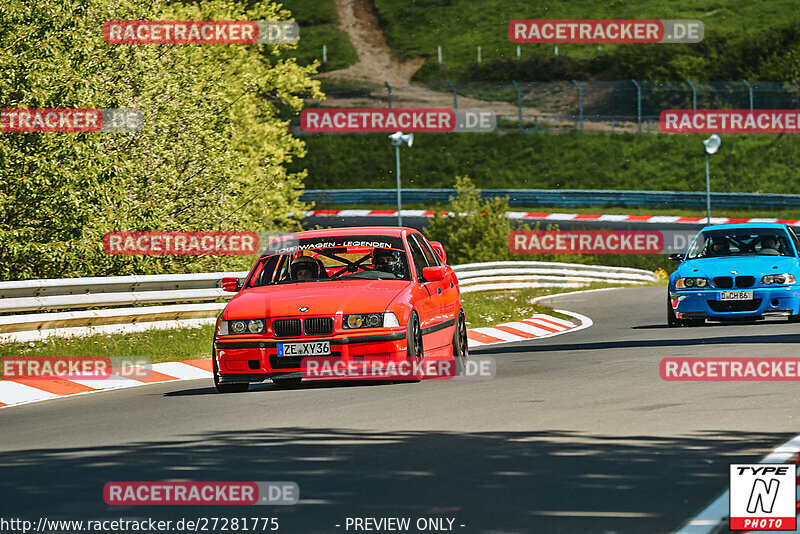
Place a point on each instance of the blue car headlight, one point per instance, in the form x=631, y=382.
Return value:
x=690, y=282
x=784, y=278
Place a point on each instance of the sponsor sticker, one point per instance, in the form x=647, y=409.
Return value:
x=730, y=121
x=181, y=243
x=763, y=497
x=200, y=32
x=605, y=31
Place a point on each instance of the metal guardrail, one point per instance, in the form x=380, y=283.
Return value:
x=560, y=197
x=62, y=294
x=521, y=274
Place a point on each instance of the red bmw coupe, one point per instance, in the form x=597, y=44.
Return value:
x=348, y=296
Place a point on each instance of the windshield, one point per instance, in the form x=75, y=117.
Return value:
x=324, y=259
x=741, y=242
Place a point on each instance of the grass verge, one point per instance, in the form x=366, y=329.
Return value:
x=763, y=163
x=157, y=345
x=484, y=308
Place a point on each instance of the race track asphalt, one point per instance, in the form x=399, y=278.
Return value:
x=576, y=433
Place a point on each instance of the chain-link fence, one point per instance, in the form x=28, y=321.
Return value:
x=622, y=105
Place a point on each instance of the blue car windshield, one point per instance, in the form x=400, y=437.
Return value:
x=741, y=242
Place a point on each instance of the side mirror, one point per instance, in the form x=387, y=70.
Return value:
x=439, y=249
x=433, y=274
x=676, y=257
x=230, y=284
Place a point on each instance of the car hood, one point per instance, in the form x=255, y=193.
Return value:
x=321, y=298
x=744, y=265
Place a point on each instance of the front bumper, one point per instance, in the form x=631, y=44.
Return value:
x=705, y=303
x=247, y=359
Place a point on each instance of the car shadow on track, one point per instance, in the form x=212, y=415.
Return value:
x=524, y=481
x=271, y=387
x=648, y=343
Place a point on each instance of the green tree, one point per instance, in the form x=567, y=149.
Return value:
x=477, y=230
x=211, y=155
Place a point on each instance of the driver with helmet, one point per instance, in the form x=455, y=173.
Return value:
x=387, y=261
x=719, y=246
x=305, y=268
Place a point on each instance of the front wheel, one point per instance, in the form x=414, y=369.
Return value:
x=415, y=351
x=460, y=350
x=674, y=322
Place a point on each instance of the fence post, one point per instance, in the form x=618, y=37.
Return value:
x=389, y=90
x=517, y=51
x=750, y=88
x=638, y=104
x=580, y=102
x=479, y=53
x=694, y=94
x=324, y=53
x=439, y=53
x=455, y=95
x=519, y=102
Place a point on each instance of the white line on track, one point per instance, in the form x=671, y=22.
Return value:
x=713, y=515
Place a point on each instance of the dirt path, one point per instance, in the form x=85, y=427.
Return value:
x=375, y=61
x=376, y=65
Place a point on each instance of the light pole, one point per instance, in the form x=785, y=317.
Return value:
x=398, y=138
x=712, y=145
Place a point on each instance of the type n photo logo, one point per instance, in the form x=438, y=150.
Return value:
x=763, y=497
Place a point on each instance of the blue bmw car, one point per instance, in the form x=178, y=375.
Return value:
x=736, y=272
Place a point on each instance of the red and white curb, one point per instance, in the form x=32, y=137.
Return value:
x=537, y=327
x=25, y=391
x=547, y=216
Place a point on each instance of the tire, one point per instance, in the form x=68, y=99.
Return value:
x=286, y=382
x=794, y=318
x=415, y=352
x=226, y=388
x=460, y=350
x=674, y=322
